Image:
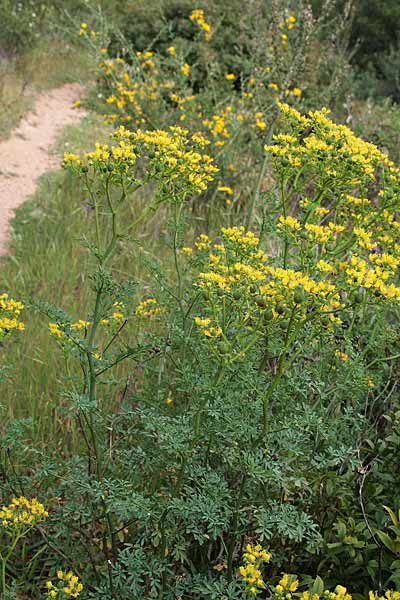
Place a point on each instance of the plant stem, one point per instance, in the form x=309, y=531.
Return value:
x=235, y=522
x=256, y=195
x=177, y=222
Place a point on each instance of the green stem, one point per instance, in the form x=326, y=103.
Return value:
x=289, y=339
x=177, y=222
x=4, y=559
x=284, y=211
x=235, y=523
x=111, y=246
x=90, y=424
x=3, y=575
x=256, y=195
x=96, y=213
x=378, y=360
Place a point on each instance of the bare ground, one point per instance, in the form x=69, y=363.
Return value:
x=25, y=155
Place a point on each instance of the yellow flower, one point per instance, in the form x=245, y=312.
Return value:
x=250, y=571
x=79, y=325
x=289, y=222
x=226, y=189
x=148, y=308
x=69, y=157
x=59, y=589
x=22, y=513
x=185, y=70
x=55, y=330
x=341, y=356
x=260, y=123
x=197, y=16
x=230, y=76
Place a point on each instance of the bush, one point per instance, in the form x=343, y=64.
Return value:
x=246, y=392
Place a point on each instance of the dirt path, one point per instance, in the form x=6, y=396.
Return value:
x=25, y=155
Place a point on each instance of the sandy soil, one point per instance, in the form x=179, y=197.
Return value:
x=25, y=155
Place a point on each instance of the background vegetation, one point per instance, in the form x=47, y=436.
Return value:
x=158, y=473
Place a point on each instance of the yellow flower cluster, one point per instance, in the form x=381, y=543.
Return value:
x=372, y=278
x=260, y=123
x=62, y=330
x=241, y=238
x=250, y=571
x=185, y=70
x=180, y=158
x=321, y=233
x=218, y=127
x=389, y=595
x=175, y=156
x=207, y=330
x=355, y=240
x=296, y=92
x=83, y=31
x=79, y=325
x=289, y=23
x=316, y=233
x=287, y=584
x=70, y=157
x=226, y=189
x=9, y=312
x=148, y=308
x=197, y=16
x=327, y=148
x=289, y=223
x=22, y=513
x=103, y=153
x=67, y=585
x=152, y=85
x=135, y=89
x=145, y=59
x=117, y=315
x=238, y=265
x=56, y=331
x=121, y=156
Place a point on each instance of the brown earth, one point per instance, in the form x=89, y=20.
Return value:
x=25, y=155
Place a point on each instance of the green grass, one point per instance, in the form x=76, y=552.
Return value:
x=48, y=65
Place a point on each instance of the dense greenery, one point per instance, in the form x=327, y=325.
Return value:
x=202, y=388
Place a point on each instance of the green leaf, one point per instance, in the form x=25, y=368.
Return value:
x=392, y=515
x=317, y=587
x=387, y=541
